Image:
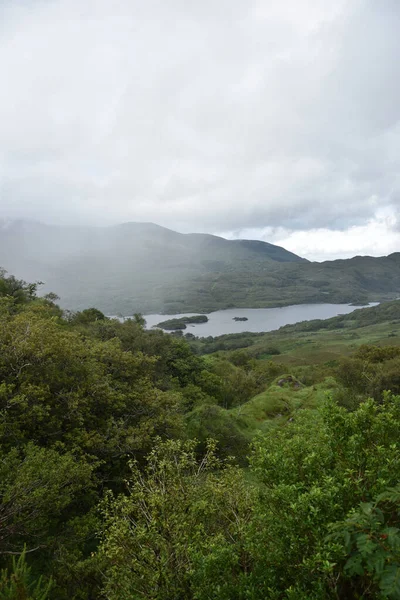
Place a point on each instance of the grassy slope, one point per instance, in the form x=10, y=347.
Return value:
x=325, y=346
x=277, y=403
x=313, y=349
x=318, y=342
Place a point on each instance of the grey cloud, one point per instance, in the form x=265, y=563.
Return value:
x=211, y=116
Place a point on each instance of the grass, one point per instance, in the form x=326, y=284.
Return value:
x=278, y=403
x=309, y=356
x=323, y=346
x=306, y=360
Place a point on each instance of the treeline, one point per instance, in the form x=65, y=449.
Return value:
x=362, y=317
x=268, y=343
x=125, y=473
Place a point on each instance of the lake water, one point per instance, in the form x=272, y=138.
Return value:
x=221, y=322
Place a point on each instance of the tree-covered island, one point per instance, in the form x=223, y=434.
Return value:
x=181, y=322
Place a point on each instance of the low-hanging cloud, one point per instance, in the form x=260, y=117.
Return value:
x=215, y=116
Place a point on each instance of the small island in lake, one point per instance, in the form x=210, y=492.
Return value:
x=240, y=319
x=181, y=322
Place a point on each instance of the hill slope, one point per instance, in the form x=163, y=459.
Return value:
x=142, y=267
x=129, y=267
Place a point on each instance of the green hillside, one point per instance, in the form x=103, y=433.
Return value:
x=357, y=280
x=135, y=466
x=134, y=267
x=141, y=267
x=315, y=341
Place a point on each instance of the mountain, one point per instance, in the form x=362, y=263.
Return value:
x=128, y=267
x=142, y=267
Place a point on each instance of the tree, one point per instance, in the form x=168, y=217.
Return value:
x=17, y=289
x=17, y=583
x=139, y=319
x=180, y=525
x=89, y=315
x=315, y=472
x=51, y=297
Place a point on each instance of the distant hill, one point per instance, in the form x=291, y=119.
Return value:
x=142, y=267
x=128, y=267
x=387, y=312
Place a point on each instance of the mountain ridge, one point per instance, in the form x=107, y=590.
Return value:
x=144, y=267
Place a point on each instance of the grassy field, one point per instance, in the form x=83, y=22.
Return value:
x=319, y=347
x=307, y=354
x=276, y=405
x=316, y=351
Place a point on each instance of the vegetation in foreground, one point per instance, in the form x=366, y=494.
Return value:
x=133, y=466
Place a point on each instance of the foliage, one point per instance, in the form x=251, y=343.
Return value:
x=181, y=322
x=18, y=583
x=181, y=521
x=211, y=420
x=89, y=315
x=314, y=471
x=17, y=289
x=58, y=387
x=295, y=533
x=371, y=544
x=39, y=487
x=111, y=487
x=370, y=371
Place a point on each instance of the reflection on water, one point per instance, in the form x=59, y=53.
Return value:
x=221, y=322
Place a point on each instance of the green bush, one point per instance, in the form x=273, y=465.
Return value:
x=17, y=583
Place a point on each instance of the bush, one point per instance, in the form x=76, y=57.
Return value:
x=18, y=583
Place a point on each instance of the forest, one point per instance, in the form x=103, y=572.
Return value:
x=139, y=464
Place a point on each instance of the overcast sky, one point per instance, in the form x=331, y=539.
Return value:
x=269, y=119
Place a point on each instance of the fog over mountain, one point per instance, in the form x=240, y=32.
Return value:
x=142, y=267
x=247, y=119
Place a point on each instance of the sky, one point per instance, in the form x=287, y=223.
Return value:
x=261, y=119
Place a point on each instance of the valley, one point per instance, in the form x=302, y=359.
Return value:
x=200, y=300
x=233, y=320
x=142, y=267
x=120, y=442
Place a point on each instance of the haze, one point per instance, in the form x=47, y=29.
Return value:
x=267, y=120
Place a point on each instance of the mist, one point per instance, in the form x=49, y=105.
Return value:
x=144, y=268
x=243, y=119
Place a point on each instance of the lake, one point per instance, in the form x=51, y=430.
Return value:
x=221, y=322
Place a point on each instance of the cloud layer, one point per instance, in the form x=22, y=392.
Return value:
x=229, y=116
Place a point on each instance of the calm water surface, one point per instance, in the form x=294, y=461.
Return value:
x=221, y=322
